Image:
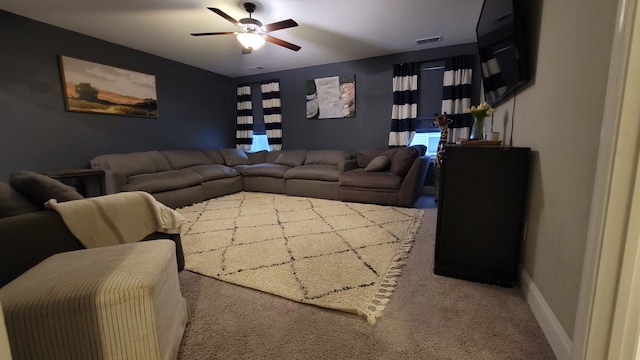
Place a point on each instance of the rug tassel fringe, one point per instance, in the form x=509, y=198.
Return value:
x=388, y=284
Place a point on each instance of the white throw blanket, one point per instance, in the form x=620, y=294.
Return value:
x=117, y=218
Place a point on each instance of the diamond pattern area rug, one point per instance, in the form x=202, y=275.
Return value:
x=338, y=255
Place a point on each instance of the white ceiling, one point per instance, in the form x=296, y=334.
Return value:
x=329, y=30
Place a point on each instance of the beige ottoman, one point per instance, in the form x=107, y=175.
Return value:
x=115, y=302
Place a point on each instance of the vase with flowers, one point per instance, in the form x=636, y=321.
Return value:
x=479, y=113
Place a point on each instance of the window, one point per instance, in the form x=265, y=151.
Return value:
x=430, y=87
x=260, y=142
x=430, y=139
x=430, y=103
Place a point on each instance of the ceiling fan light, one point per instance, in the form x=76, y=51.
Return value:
x=250, y=40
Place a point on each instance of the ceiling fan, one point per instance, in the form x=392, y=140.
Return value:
x=252, y=34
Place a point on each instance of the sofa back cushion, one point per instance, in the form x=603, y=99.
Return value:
x=180, y=159
x=39, y=188
x=258, y=157
x=272, y=156
x=12, y=203
x=215, y=156
x=401, y=158
x=365, y=156
x=422, y=149
x=233, y=157
x=326, y=157
x=132, y=163
x=291, y=157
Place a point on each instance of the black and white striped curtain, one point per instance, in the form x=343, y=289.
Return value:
x=244, y=118
x=405, y=104
x=272, y=113
x=457, y=96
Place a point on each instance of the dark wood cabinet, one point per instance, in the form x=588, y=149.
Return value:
x=481, y=204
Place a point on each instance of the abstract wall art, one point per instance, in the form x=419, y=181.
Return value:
x=331, y=97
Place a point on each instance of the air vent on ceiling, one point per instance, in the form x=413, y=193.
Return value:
x=256, y=68
x=429, y=39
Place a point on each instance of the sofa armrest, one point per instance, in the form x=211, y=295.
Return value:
x=348, y=165
x=114, y=180
x=413, y=182
x=176, y=238
x=27, y=239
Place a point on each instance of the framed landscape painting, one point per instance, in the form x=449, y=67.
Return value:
x=96, y=88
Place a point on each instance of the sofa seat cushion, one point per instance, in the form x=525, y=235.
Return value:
x=214, y=172
x=266, y=169
x=163, y=181
x=370, y=180
x=313, y=172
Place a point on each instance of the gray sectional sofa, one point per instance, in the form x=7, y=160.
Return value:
x=175, y=178
x=179, y=178
x=30, y=233
x=397, y=181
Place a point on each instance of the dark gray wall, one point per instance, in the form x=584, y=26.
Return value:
x=196, y=107
x=370, y=127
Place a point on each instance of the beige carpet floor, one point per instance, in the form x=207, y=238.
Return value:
x=334, y=254
x=429, y=317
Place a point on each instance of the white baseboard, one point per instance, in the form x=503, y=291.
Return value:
x=553, y=331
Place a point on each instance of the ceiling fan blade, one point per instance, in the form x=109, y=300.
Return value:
x=280, y=25
x=281, y=42
x=214, y=33
x=224, y=15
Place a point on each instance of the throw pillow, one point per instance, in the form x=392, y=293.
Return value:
x=39, y=188
x=234, y=157
x=379, y=163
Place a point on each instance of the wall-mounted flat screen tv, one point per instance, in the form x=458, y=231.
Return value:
x=501, y=46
